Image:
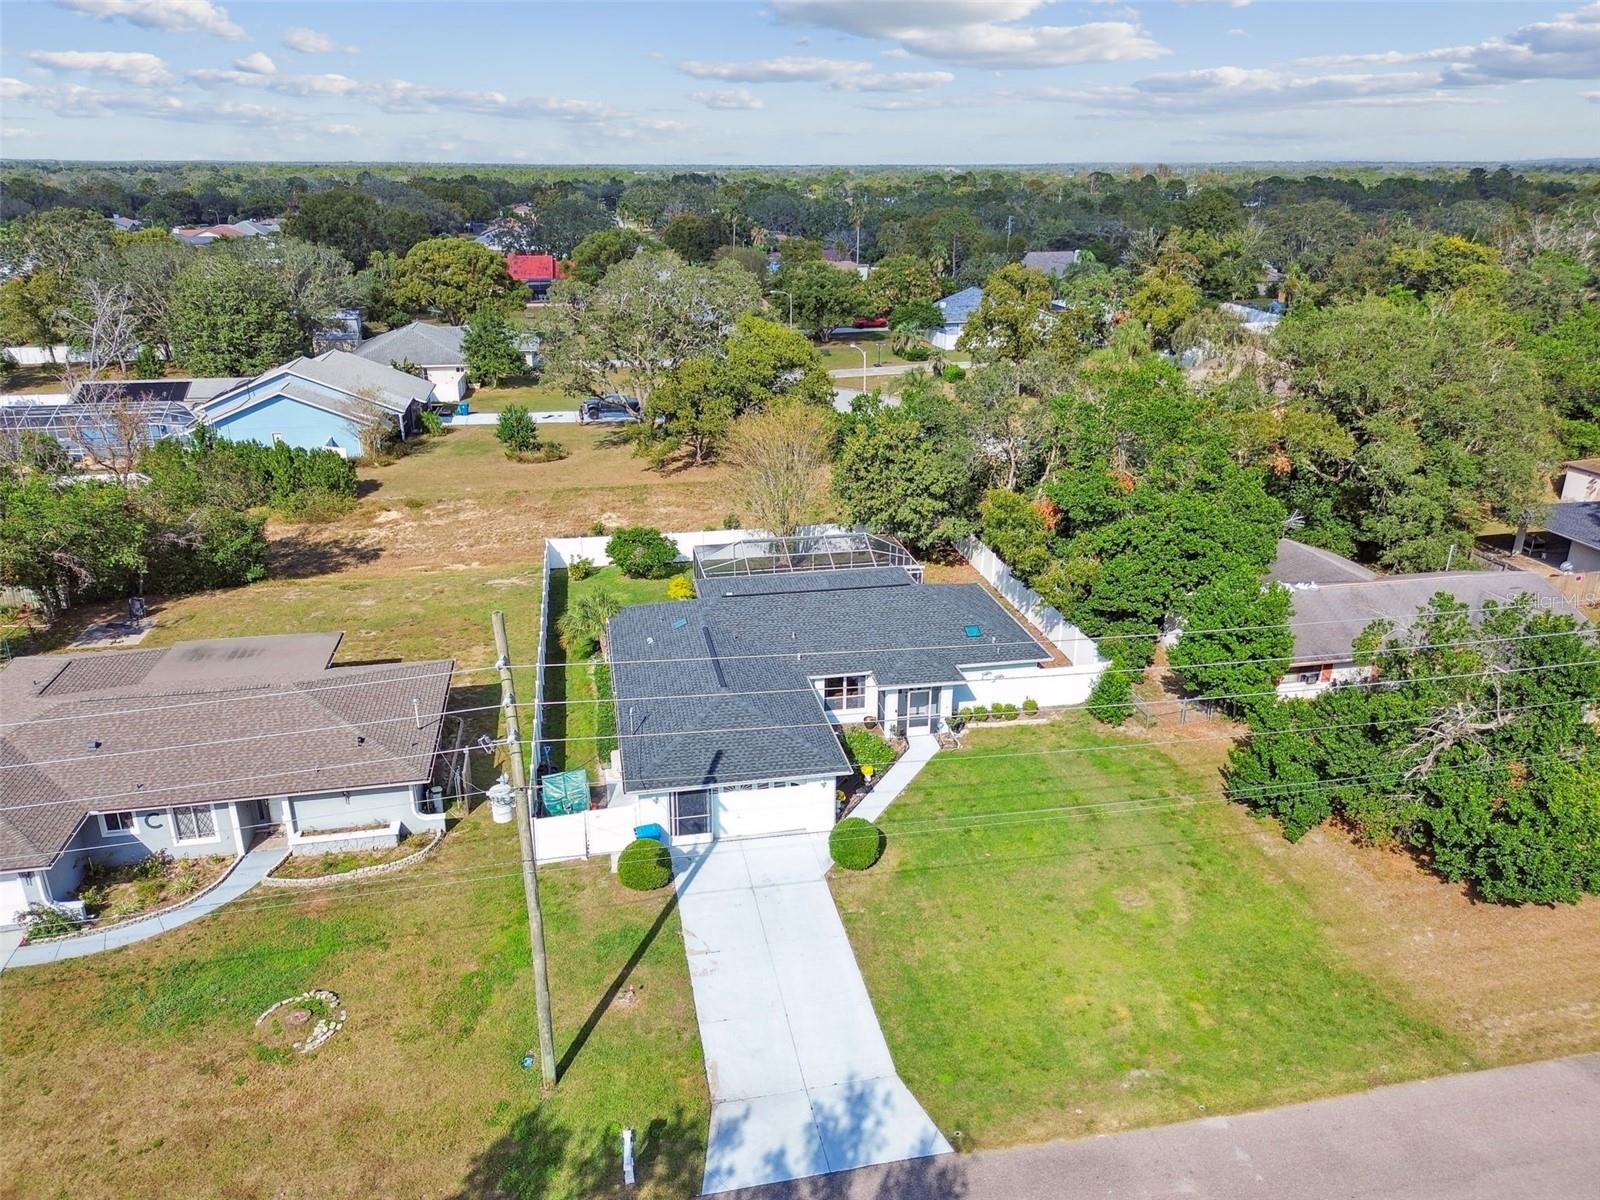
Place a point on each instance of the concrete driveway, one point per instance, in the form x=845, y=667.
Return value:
x=802, y=1082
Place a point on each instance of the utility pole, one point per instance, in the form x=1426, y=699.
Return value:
x=1008, y=237
x=530, y=872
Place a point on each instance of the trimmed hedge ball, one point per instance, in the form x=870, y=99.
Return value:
x=856, y=844
x=644, y=865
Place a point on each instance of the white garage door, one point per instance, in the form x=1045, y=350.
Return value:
x=753, y=812
x=12, y=899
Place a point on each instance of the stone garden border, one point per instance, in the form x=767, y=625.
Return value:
x=97, y=926
x=323, y=1029
x=398, y=864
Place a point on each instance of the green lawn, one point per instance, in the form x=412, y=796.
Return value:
x=1085, y=969
x=580, y=731
x=148, y=1054
x=522, y=391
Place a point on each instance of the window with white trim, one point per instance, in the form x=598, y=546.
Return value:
x=117, y=822
x=194, y=824
x=845, y=693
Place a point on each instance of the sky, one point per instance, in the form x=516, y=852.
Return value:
x=800, y=81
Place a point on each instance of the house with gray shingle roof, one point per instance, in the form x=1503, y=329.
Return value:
x=320, y=403
x=729, y=707
x=1333, y=600
x=202, y=748
x=955, y=308
x=435, y=350
x=1051, y=262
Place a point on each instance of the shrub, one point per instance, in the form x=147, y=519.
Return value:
x=1112, y=698
x=147, y=363
x=517, y=430
x=315, y=506
x=1011, y=712
x=644, y=865
x=732, y=521
x=580, y=568
x=953, y=373
x=598, y=529
x=917, y=353
x=978, y=712
x=867, y=749
x=1030, y=706
x=47, y=921
x=681, y=587
x=432, y=423
x=855, y=844
x=643, y=553
x=95, y=899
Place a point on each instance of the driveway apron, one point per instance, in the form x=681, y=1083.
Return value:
x=801, y=1079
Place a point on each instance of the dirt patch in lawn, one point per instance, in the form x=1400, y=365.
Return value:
x=1517, y=982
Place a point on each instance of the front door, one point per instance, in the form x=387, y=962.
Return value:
x=922, y=710
x=691, y=815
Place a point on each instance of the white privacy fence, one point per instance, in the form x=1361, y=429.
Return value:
x=1078, y=647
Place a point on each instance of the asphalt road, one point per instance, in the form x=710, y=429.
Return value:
x=1519, y=1133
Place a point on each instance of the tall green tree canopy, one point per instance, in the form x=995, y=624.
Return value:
x=453, y=277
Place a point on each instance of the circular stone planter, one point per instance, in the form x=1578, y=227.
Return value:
x=302, y=1023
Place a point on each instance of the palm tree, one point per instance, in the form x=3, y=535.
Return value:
x=584, y=623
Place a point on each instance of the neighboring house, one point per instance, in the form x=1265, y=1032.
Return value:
x=1255, y=318
x=203, y=747
x=1334, y=600
x=536, y=272
x=341, y=330
x=1581, y=480
x=434, y=349
x=320, y=403
x=1051, y=262
x=955, y=309
x=728, y=706
x=204, y=235
x=1570, y=539
x=105, y=423
x=126, y=224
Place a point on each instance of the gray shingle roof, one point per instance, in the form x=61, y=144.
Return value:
x=1297, y=562
x=420, y=343
x=356, y=378
x=1051, y=262
x=1576, y=520
x=278, y=720
x=1327, y=620
x=958, y=306
x=717, y=690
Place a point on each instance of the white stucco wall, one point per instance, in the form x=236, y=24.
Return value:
x=449, y=383
x=1580, y=483
x=1052, y=687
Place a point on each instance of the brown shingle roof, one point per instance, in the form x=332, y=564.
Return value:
x=200, y=722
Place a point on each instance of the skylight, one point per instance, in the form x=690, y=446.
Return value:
x=973, y=631
x=681, y=623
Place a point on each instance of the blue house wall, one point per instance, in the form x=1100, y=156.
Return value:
x=269, y=416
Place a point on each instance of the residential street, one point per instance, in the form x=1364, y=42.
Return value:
x=1519, y=1133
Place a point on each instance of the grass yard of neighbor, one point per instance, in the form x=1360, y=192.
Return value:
x=138, y=1073
x=1098, y=968
x=534, y=395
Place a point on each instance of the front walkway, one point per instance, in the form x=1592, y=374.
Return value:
x=249, y=871
x=920, y=748
x=801, y=1079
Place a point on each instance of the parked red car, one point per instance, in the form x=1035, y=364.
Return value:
x=870, y=323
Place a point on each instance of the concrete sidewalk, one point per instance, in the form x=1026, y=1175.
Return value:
x=801, y=1079
x=920, y=749
x=1518, y=1133
x=553, y=416
x=247, y=872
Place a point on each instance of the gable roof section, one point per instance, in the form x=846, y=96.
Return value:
x=354, y=379
x=420, y=343
x=202, y=722
x=1326, y=621
x=533, y=268
x=1051, y=262
x=1577, y=521
x=718, y=690
x=958, y=306
x=1298, y=564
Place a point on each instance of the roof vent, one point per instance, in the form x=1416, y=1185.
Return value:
x=681, y=623
x=361, y=739
x=95, y=743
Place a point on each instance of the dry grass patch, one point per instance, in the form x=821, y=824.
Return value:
x=1515, y=982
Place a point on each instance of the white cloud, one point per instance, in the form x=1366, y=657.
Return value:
x=898, y=81
x=135, y=67
x=786, y=69
x=980, y=33
x=174, y=16
x=730, y=99
x=309, y=41
x=257, y=64
x=1224, y=89
x=913, y=103
x=1237, y=32
x=285, y=85
x=1225, y=3
x=895, y=52
x=1591, y=97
